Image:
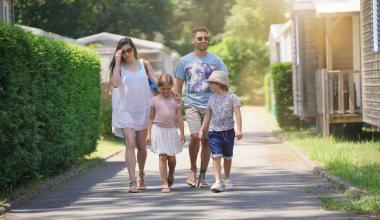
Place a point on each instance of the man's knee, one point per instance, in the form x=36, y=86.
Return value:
x=205, y=143
x=195, y=137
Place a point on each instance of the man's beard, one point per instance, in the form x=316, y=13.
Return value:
x=201, y=48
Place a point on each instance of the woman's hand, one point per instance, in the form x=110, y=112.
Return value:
x=239, y=134
x=183, y=140
x=148, y=140
x=118, y=56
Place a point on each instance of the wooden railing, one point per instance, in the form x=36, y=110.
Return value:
x=338, y=91
x=338, y=96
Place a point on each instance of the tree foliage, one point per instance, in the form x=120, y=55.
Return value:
x=78, y=18
x=251, y=19
x=246, y=60
x=243, y=45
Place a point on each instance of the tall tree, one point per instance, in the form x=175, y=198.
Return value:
x=251, y=19
x=243, y=46
x=77, y=18
x=190, y=13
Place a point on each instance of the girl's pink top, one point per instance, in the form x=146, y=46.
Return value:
x=165, y=111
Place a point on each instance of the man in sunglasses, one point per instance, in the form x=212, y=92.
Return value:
x=194, y=69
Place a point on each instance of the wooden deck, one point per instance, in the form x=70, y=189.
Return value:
x=338, y=98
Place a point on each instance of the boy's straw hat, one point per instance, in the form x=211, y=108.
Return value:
x=219, y=77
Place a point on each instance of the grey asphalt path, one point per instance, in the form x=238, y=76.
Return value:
x=271, y=182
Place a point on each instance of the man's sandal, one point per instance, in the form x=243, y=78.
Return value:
x=141, y=182
x=191, y=181
x=133, y=187
x=202, y=184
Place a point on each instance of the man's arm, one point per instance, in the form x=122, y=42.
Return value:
x=205, y=124
x=179, y=86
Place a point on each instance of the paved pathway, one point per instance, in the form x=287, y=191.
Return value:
x=272, y=182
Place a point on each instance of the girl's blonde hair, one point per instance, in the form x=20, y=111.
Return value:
x=165, y=80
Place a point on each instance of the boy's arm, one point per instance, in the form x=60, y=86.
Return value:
x=239, y=122
x=206, y=123
x=149, y=127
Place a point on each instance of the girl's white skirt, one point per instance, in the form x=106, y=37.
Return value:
x=165, y=141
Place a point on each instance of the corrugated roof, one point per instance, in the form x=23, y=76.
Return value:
x=38, y=31
x=336, y=6
x=277, y=29
x=105, y=37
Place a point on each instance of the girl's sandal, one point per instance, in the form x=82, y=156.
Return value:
x=165, y=190
x=171, y=180
x=141, y=182
x=133, y=187
x=202, y=182
x=191, y=181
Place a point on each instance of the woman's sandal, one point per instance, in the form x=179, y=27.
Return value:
x=133, y=187
x=171, y=180
x=191, y=181
x=202, y=182
x=165, y=190
x=141, y=182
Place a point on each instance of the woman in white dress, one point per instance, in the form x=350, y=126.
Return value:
x=131, y=98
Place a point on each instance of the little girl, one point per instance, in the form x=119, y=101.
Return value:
x=219, y=121
x=165, y=113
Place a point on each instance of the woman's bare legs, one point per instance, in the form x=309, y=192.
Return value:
x=141, y=149
x=141, y=156
x=130, y=155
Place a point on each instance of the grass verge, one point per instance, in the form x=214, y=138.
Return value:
x=355, y=162
x=103, y=149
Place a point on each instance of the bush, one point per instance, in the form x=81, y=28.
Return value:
x=50, y=100
x=267, y=91
x=283, y=90
x=106, y=112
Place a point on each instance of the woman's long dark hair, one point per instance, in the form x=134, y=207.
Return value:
x=120, y=44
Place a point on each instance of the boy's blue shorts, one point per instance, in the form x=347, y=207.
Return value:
x=222, y=143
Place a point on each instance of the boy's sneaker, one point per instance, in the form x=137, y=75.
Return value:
x=217, y=187
x=228, y=185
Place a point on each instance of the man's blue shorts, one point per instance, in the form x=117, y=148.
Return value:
x=222, y=143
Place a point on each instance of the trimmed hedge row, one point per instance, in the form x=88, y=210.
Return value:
x=283, y=91
x=49, y=109
x=267, y=91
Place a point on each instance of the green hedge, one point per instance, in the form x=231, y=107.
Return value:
x=49, y=109
x=283, y=90
x=267, y=91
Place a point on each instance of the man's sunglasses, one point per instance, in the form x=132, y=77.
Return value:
x=129, y=50
x=203, y=38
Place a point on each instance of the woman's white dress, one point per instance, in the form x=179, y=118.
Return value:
x=131, y=101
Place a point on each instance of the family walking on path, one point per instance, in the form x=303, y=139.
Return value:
x=141, y=118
